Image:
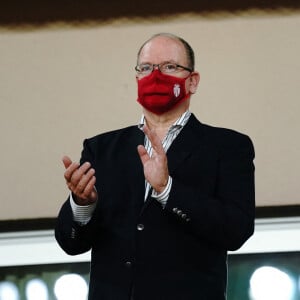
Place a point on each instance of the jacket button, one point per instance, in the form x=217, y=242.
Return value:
x=73, y=233
x=140, y=227
x=183, y=216
x=179, y=212
x=175, y=209
x=128, y=264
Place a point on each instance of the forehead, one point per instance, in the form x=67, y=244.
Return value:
x=160, y=49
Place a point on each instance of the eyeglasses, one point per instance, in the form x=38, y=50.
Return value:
x=165, y=67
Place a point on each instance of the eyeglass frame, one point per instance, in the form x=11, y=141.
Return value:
x=159, y=66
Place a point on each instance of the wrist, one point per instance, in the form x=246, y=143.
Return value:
x=159, y=189
x=164, y=195
x=83, y=202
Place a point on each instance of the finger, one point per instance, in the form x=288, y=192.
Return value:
x=90, y=189
x=70, y=170
x=154, y=139
x=67, y=161
x=144, y=156
x=88, y=193
x=84, y=180
x=78, y=174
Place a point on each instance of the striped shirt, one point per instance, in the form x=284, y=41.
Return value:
x=82, y=214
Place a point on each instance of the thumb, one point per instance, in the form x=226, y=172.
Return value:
x=143, y=154
x=67, y=161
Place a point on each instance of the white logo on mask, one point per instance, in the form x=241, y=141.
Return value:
x=176, y=89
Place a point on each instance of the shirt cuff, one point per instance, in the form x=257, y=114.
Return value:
x=164, y=195
x=82, y=214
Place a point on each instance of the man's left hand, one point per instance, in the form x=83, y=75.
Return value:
x=155, y=167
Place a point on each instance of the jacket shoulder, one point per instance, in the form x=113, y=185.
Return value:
x=223, y=137
x=112, y=135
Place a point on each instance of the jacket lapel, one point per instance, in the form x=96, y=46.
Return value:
x=188, y=141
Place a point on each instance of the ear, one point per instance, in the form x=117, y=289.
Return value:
x=194, y=81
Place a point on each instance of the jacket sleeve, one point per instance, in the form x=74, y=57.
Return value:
x=71, y=237
x=226, y=216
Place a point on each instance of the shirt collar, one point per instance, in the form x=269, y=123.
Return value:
x=180, y=122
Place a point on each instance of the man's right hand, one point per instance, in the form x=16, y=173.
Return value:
x=80, y=181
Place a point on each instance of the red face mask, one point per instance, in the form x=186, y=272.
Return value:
x=160, y=93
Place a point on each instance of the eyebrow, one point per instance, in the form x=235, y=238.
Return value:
x=163, y=62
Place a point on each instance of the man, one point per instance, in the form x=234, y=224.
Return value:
x=161, y=203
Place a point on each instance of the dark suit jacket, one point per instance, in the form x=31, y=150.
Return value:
x=179, y=252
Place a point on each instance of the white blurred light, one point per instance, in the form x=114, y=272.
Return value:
x=36, y=289
x=71, y=286
x=8, y=291
x=269, y=283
